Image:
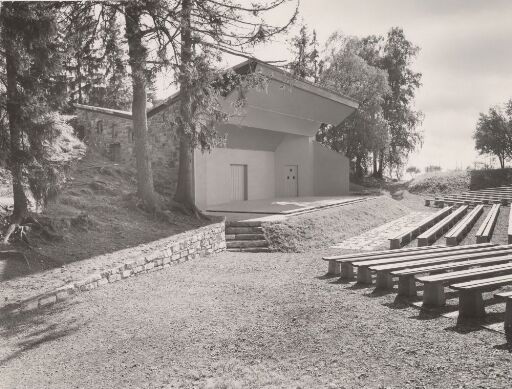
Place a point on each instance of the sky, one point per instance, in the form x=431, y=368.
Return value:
x=465, y=59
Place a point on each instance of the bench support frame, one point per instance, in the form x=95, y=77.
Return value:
x=407, y=286
x=346, y=271
x=334, y=268
x=384, y=281
x=433, y=294
x=364, y=275
x=471, y=304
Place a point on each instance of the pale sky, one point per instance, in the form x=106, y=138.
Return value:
x=465, y=58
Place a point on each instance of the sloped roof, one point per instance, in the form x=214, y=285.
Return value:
x=275, y=73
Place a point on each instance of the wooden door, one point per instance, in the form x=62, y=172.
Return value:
x=238, y=182
x=291, y=186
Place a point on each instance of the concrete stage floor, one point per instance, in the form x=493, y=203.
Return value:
x=240, y=210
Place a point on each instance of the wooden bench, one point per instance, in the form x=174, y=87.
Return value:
x=457, y=233
x=433, y=292
x=509, y=232
x=507, y=296
x=335, y=261
x=431, y=235
x=385, y=271
x=364, y=271
x=409, y=234
x=344, y=264
x=485, y=231
x=407, y=282
x=471, y=303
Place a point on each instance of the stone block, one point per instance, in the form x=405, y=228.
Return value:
x=126, y=273
x=29, y=305
x=47, y=300
x=149, y=266
x=114, y=277
x=103, y=281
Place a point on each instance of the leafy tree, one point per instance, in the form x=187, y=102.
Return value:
x=412, y=170
x=493, y=134
x=31, y=72
x=365, y=132
x=395, y=54
x=432, y=168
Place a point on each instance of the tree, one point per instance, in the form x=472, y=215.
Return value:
x=395, y=54
x=306, y=63
x=493, y=133
x=208, y=29
x=432, y=168
x=412, y=170
x=97, y=67
x=365, y=132
x=31, y=71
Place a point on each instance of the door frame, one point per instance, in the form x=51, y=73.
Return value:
x=246, y=179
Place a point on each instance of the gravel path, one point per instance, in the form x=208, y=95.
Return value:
x=241, y=320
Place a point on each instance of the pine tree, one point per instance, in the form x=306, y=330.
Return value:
x=32, y=72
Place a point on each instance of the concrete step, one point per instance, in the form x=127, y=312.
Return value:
x=245, y=237
x=251, y=250
x=249, y=237
x=246, y=243
x=243, y=224
x=243, y=230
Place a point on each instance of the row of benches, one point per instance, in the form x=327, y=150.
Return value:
x=470, y=270
x=431, y=229
x=502, y=195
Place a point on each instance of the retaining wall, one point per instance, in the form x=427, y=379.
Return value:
x=153, y=256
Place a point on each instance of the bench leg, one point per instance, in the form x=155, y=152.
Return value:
x=384, y=280
x=433, y=294
x=346, y=271
x=334, y=268
x=407, y=286
x=508, y=322
x=471, y=305
x=364, y=275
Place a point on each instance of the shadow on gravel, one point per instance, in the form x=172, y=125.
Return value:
x=21, y=332
x=503, y=347
x=326, y=276
x=341, y=281
x=466, y=326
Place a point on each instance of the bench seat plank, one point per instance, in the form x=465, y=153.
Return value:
x=457, y=233
x=433, y=232
x=433, y=294
x=409, y=234
x=485, y=231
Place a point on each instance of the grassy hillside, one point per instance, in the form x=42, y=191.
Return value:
x=440, y=182
x=323, y=228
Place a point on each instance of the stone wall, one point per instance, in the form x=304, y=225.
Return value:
x=157, y=255
x=112, y=135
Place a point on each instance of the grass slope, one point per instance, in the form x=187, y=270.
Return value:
x=326, y=227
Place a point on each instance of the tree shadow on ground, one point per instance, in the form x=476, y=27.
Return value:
x=25, y=331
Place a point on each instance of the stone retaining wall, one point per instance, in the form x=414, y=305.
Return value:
x=153, y=256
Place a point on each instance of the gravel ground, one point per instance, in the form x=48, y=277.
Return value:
x=241, y=320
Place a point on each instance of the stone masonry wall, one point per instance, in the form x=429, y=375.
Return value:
x=153, y=256
x=106, y=132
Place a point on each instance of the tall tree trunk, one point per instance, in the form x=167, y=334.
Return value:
x=380, y=170
x=138, y=54
x=185, y=188
x=14, y=115
x=375, y=156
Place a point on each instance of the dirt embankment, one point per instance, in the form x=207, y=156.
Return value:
x=95, y=213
